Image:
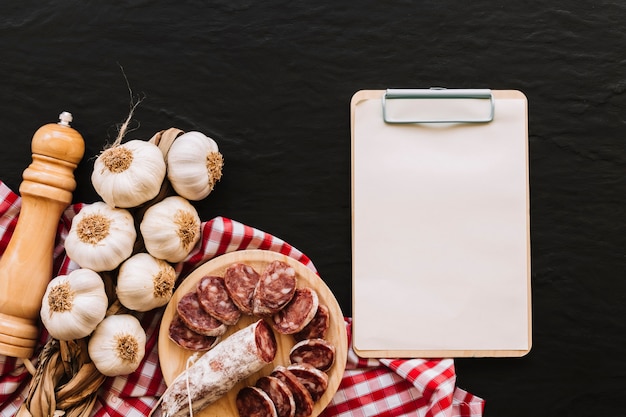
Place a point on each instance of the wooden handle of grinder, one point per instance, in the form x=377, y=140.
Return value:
x=26, y=265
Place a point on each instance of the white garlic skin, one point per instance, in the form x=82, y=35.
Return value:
x=161, y=229
x=194, y=165
x=145, y=282
x=108, y=252
x=88, y=301
x=118, y=345
x=140, y=182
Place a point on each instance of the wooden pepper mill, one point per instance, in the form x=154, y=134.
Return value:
x=26, y=265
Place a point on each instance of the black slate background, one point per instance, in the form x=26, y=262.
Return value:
x=271, y=82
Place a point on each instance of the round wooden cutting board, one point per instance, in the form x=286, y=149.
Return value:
x=173, y=359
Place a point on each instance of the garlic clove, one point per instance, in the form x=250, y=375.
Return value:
x=194, y=165
x=145, y=282
x=101, y=237
x=74, y=304
x=170, y=229
x=118, y=345
x=129, y=174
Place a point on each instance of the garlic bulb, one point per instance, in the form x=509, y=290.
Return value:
x=74, y=304
x=145, y=282
x=118, y=345
x=194, y=165
x=101, y=237
x=170, y=229
x=129, y=174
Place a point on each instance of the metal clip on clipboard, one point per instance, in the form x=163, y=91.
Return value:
x=406, y=106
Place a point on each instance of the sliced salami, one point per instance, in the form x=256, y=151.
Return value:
x=275, y=289
x=314, y=380
x=217, y=371
x=186, y=338
x=254, y=402
x=318, y=327
x=214, y=299
x=301, y=395
x=298, y=313
x=240, y=281
x=280, y=394
x=319, y=353
x=196, y=318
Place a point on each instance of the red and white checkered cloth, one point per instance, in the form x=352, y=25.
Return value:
x=370, y=387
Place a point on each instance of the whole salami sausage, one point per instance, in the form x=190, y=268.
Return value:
x=198, y=320
x=275, y=289
x=280, y=395
x=237, y=357
x=240, y=281
x=214, y=299
x=301, y=395
x=319, y=353
x=252, y=401
x=318, y=327
x=186, y=338
x=298, y=313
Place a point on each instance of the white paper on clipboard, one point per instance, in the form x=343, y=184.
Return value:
x=440, y=231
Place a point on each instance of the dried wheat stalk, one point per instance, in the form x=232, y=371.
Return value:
x=65, y=383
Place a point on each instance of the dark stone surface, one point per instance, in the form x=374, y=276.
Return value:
x=272, y=81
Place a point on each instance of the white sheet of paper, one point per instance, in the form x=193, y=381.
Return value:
x=440, y=232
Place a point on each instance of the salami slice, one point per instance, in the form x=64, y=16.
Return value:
x=280, y=394
x=314, y=380
x=240, y=281
x=186, y=338
x=217, y=371
x=301, y=395
x=254, y=402
x=214, y=299
x=298, y=313
x=319, y=353
x=318, y=327
x=275, y=289
x=196, y=318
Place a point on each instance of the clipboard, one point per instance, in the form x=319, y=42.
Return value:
x=440, y=223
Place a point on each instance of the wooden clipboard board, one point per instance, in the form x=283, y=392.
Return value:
x=440, y=223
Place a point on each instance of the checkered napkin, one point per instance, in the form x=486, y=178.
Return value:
x=370, y=387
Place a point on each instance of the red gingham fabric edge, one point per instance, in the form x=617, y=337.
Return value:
x=370, y=387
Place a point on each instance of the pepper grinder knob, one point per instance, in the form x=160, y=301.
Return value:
x=26, y=265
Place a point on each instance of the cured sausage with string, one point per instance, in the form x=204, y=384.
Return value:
x=217, y=371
